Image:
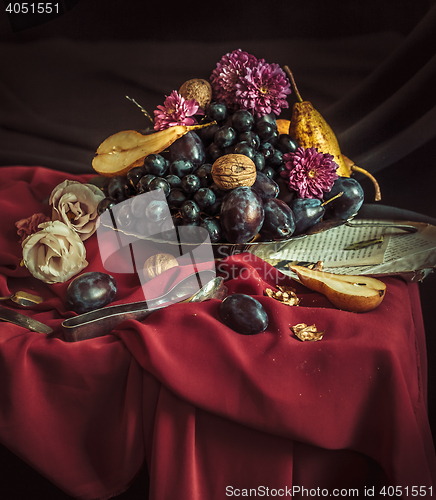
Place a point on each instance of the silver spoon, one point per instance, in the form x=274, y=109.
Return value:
x=24, y=299
x=103, y=321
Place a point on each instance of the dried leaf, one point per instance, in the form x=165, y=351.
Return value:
x=305, y=332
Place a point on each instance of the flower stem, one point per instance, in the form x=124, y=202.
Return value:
x=294, y=85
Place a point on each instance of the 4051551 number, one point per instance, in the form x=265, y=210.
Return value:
x=33, y=8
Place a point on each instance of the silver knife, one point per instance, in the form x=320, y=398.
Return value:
x=22, y=320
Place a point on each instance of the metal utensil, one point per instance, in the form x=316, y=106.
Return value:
x=24, y=299
x=22, y=320
x=103, y=321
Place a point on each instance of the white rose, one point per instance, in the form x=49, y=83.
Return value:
x=55, y=253
x=75, y=204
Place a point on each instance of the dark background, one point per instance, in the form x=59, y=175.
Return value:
x=407, y=183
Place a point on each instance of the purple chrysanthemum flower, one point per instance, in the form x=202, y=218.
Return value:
x=228, y=72
x=310, y=173
x=176, y=110
x=263, y=89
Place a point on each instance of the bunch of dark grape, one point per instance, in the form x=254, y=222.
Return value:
x=183, y=174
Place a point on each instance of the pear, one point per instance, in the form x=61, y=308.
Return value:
x=349, y=293
x=309, y=129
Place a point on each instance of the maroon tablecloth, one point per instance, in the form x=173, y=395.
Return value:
x=211, y=412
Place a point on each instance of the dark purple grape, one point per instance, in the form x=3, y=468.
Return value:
x=286, y=144
x=214, y=152
x=212, y=225
x=267, y=150
x=157, y=211
x=173, y=180
x=215, y=208
x=243, y=148
x=181, y=167
x=123, y=216
x=204, y=174
x=279, y=222
x=346, y=205
x=269, y=171
x=265, y=130
x=118, y=189
x=265, y=187
x=190, y=183
x=219, y=193
x=276, y=159
x=243, y=314
x=204, y=198
x=250, y=137
x=242, y=215
x=242, y=120
x=176, y=198
x=206, y=134
x=90, y=291
x=188, y=147
x=307, y=212
x=144, y=183
x=104, y=204
x=155, y=164
x=274, y=139
x=225, y=136
x=259, y=161
x=160, y=183
x=134, y=175
x=217, y=111
x=268, y=118
x=190, y=212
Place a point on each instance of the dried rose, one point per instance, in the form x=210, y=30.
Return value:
x=26, y=227
x=55, y=253
x=75, y=204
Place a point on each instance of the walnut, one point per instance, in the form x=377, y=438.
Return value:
x=233, y=170
x=197, y=89
x=157, y=264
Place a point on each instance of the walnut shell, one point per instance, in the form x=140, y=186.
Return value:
x=233, y=170
x=197, y=89
x=157, y=264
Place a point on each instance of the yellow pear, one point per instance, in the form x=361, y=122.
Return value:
x=309, y=129
x=346, y=292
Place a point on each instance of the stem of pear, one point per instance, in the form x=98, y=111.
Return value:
x=355, y=168
x=294, y=85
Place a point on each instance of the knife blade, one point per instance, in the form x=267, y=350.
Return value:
x=22, y=320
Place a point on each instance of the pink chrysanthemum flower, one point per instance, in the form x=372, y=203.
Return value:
x=263, y=89
x=176, y=110
x=310, y=173
x=228, y=72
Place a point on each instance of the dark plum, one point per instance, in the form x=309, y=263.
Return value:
x=285, y=194
x=241, y=215
x=265, y=186
x=243, y=314
x=307, y=212
x=279, y=222
x=188, y=147
x=90, y=291
x=346, y=205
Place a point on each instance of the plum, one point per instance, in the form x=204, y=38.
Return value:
x=243, y=314
x=90, y=291
x=279, y=222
